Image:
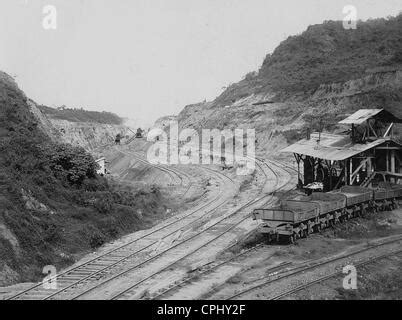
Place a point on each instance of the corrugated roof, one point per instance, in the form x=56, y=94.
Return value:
x=331, y=146
x=361, y=116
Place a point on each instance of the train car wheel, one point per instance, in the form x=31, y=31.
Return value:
x=310, y=229
x=269, y=238
x=292, y=239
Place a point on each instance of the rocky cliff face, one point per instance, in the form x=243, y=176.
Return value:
x=90, y=135
x=86, y=134
x=43, y=121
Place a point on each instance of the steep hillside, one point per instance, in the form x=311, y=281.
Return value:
x=323, y=54
x=53, y=205
x=88, y=129
x=326, y=69
x=88, y=135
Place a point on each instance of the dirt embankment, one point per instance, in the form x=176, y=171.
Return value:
x=280, y=123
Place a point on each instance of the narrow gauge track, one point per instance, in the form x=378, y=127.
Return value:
x=209, y=267
x=112, y=259
x=100, y=264
x=308, y=266
x=127, y=293
x=334, y=274
x=173, y=172
x=175, y=175
x=144, y=262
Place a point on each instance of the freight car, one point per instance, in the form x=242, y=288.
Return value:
x=298, y=217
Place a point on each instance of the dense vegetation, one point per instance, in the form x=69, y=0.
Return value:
x=324, y=53
x=53, y=205
x=81, y=115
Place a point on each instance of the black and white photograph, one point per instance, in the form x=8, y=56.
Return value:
x=205, y=156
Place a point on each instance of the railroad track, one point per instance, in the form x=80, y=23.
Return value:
x=205, y=269
x=334, y=274
x=150, y=260
x=100, y=265
x=309, y=266
x=132, y=290
x=116, y=257
x=210, y=267
x=175, y=175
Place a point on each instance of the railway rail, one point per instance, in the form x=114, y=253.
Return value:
x=127, y=293
x=210, y=267
x=169, y=250
x=100, y=265
x=174, y=174
x=308, y=266
x=113, y=258
x=334, y=274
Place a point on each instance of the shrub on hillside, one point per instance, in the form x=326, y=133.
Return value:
x=70, y=163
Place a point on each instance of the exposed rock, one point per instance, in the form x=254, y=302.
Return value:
x=88, y=135
x=7, y=234
x=7, y=275
x=32, y=204
x=44, y=123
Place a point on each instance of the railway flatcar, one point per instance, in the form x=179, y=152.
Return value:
x=386, y=195
x=358, y=199
x=298, y=217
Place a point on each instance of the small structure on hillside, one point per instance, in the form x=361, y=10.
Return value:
x=117, y=139
x=366, y=153
x=102, y=166
x=139, y=133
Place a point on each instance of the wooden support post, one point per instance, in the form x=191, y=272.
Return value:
x=329, y=165
x=350, y=171
x=298, y=158
x=372, y=130
x=387, y=160
x=393, y=163
x=354, y=174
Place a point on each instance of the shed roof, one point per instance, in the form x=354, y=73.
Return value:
x=332, y=146
x=363, y=115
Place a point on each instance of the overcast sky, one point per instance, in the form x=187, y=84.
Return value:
x=148, y=58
